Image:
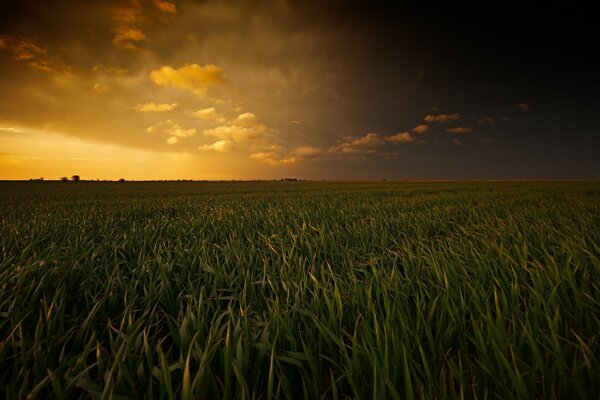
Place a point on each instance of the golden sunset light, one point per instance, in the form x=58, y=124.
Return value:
x=243, y=90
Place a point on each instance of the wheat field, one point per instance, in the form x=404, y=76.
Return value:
x=304, y=290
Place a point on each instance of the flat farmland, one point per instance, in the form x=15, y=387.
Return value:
x=299, y=290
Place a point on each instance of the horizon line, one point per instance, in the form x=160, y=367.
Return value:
x=182, y=180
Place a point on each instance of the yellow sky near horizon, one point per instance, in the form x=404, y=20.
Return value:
x=56, y=155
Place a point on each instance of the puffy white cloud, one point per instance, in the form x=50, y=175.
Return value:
x=420, y=129
x=172, y=129
x=369, y=140
x=248, y=120
x=402, y=137
x=208, y=114
x=356, y=146
x=154, y=107
x=245, y=127
x=221, y=146
x=442, y=117
x=262, y=156
x=172, y=140
x=179, y=132
x=235, y=133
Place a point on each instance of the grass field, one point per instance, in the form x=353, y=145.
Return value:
x=300, y=290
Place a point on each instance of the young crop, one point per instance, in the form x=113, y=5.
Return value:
x=299, y=290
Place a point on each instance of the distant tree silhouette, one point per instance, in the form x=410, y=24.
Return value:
x=122, y=180
x=75, y=178
x=64, y=179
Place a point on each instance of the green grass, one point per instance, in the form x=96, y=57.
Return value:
x=299, y=289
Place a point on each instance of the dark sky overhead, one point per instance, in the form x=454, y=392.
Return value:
x=161, y=89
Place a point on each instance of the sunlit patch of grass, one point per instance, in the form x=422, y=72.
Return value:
x=299, y=289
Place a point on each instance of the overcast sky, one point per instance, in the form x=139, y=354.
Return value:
x=157, y=89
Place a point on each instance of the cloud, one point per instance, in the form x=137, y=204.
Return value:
x=247, y=120
x=459, y=130
x=179, y=132
x=523, y=107
x=153, y=107
x=288, y=70
x=403, y=137
x=29, y=51
x=307, y=151
x=271, y=158
x=172, y=140
x=369, y=140
x=420, y=129
x=126, y=11
x=442, y=117
x=172, y=129
x=457, y=142
x=221, y=146
x=261, y=156
x=347, y=148
x=21, y=48
x=362, y=145
x=126, y=37
x=486, y=120
x=208, y=114
x=245, y=127
x=165, y=6
x=235, y=133
x=192, y=77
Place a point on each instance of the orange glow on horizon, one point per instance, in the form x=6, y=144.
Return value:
x=27, y=153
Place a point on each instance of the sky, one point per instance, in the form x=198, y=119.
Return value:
x=330, y=89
